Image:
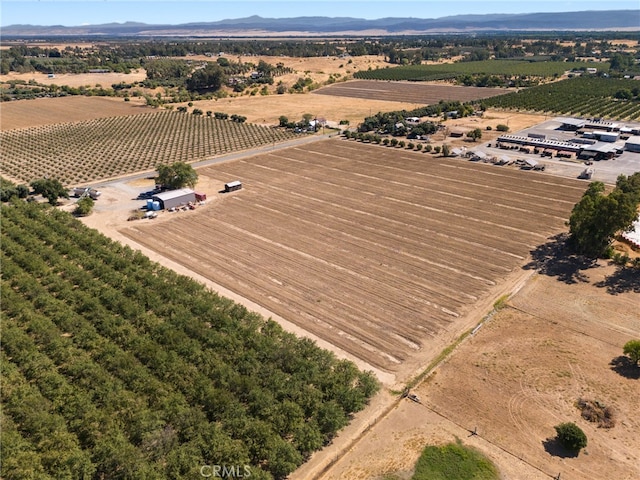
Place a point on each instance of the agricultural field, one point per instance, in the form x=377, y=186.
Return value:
x=558, y=340
x=47, y=111
x=512, y=68
x=612, y=98
x=376, y=250
x=112, y=363
x=418, y=94
x=91, y=150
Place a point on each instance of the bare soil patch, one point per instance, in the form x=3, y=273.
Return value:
x=520, y=375
x=408, y=92
x=376, y=250
x=49, y=111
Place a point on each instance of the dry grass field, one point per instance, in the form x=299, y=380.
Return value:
x=522, y=373
x=49, y=111
x=376, y=250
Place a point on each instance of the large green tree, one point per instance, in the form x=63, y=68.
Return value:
x=209, y=78
x=597, y=217
x=176, y=175
x=49, y=188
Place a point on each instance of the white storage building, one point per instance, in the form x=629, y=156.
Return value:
x=175, y=198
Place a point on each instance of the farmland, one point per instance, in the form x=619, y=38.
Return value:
x=90, y=150
x=390, y=248
x=512, y=68
x=558, y=339
x=419, y=94
x=111, y=362
x=47, y=111
x=579, y=96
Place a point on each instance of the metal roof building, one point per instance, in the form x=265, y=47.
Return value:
x=175, y=198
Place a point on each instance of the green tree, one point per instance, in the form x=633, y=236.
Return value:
x=597, y=217
x=632, y=349
x=475, y=134
x=49, y=188
x=176, y=175
x=446, y=150
x=210, y=78
x=571, y=436
x=84, y=206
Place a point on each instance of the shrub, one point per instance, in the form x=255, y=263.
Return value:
x=84, y=206
x=502, y=127
x=571, y=436
x=632, y=349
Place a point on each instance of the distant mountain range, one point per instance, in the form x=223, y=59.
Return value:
x=612, y=20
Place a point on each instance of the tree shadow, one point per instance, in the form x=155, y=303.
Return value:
x=625, y=279
x=553, y=447
x=623, y=365
x=555, y=259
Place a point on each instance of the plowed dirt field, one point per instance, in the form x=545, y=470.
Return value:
x=412, y=92
x=375, y=249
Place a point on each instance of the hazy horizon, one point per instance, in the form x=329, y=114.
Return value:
x=95, y=12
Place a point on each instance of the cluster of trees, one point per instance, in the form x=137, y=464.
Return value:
x=9, y=190
x=598, y=217
x=395, y=123
x=143, y=373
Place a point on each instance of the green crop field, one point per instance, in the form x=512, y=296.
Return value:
x=115, y=367
x=86, y=151
x=509, y=68
x=611, y=98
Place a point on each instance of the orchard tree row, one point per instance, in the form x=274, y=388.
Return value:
x=115, y=367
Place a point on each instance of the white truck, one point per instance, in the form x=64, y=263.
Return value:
x=86, y=192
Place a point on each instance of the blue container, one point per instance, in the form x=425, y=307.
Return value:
x=149, y=204
x=155, y=205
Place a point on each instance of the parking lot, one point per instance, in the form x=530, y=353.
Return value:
x=606, y=171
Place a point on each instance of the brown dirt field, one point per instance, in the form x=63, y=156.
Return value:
x=391, y=247
x=418, y=93
x=48, y=111
x=78, y=79
x=520, y=375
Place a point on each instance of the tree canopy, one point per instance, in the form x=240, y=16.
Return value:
x=209, y=78
x=176, y=175
x=632, y=349
x=49, y=188
x=144, y=373
x=597, y=217
x=571, y=436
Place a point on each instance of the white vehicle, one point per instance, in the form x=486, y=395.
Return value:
x=86, y=192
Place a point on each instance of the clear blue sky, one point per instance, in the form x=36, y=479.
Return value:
x=82, y=12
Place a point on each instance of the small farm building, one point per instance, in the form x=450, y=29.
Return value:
x=232, y=186
x=175, y=198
